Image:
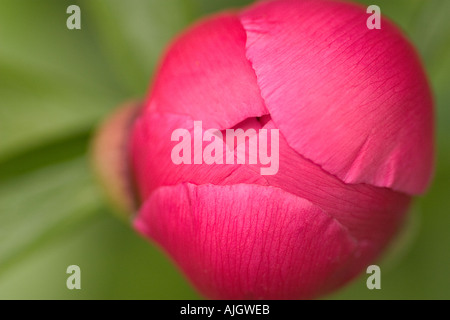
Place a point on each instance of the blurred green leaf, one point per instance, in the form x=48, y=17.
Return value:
x=56, y=84
x=36, y=205
x=132, y=35
x=52, y=80
x=115, y=263
x=60, y=150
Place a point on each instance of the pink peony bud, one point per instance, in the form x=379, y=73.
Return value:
x=355, y=119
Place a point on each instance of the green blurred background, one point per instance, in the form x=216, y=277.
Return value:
x=56, y=85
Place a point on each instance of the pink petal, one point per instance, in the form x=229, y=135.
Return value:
x=249, y=242
x=206, y=75
x=370, y=213
x=151, y=149
x=353, y=100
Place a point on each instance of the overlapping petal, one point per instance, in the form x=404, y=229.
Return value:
x=151, y=149
x=206, y=75
x=248, y=242
x=353, y=100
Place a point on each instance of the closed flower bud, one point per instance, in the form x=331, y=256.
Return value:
x=353, y=114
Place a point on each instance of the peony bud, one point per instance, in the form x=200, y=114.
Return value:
x=355, y=119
